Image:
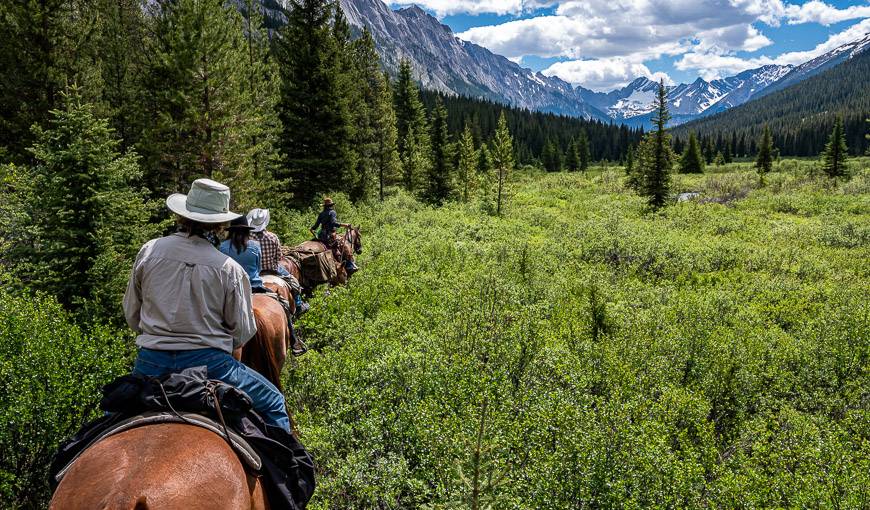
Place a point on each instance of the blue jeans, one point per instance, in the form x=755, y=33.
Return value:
x=268, y=401
x=282, y=271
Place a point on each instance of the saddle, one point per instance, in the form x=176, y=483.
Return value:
x=243, y=449
x=316, y=262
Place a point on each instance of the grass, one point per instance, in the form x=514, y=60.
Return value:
x=583, y=352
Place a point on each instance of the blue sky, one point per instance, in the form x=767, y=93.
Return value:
x=604, y=44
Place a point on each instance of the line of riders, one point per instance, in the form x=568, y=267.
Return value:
x=191, y=304
x=192, y=299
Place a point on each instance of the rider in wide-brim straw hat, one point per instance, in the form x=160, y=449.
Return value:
x=191, y=305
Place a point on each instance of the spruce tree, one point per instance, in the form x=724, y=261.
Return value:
x=317, y=125
x=764, y=159
x=655, y=157
x=572, y=157
x=415, y=161
x=204, y=119
x=836, y=151
x=584, y=150
x=502, y=158
x=86, y=217
x=468, y=158
x=551, y=157
x=384, y=124
x=439, y=185
x=692, y=162
x=410, y=117
x=719, y=160
x=44, y=45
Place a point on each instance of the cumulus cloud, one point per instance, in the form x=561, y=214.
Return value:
x=603, y=74
x=824, y=14
x=710, y=65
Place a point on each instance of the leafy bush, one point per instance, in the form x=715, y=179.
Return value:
x=51, y=373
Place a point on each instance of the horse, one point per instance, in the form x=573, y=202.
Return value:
x=348, y=245
x=174, y=466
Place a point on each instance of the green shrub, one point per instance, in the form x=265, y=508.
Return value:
x=51, y=373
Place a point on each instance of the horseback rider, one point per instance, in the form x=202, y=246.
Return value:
x=328, y=222
x=191, y=305
x=239, y=247
x=270, y=249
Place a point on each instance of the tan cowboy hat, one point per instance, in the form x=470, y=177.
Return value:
x=207, y=201
x=328, y=201
x=259, y=219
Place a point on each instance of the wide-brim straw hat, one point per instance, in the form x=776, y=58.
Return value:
x=207, y=201
x=259, y=219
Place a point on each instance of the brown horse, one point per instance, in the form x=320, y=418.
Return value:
x=177, y=466
x=348, y=245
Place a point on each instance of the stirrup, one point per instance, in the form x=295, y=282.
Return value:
x=299, y=351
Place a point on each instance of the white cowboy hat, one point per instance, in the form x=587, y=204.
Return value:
x=259, y=219
x=207, y=202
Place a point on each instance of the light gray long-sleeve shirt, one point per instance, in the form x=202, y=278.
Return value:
x=184, y=294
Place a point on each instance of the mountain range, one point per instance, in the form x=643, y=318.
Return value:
x=445, y=63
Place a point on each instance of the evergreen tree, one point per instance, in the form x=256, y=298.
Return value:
x=764, y=159
x=415, y=161
x=867, y=136
x=709, y=152
x=728, y=157
x=692, y=162
x=204, y=119
x=719, y=160
x=410, y=117
x=468, y=158
x=655, y=157
x=86, y=219
x=387, y=153
x=836, y=151
x=502, y=158
x=584, y=151
x=317, y=124
x=439, y=184
x=44, y=45
x=572, y=157
x=551, y=157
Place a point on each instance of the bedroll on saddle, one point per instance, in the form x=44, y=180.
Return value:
x=316, y=267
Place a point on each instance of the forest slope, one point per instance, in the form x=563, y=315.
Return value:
x=800, y=116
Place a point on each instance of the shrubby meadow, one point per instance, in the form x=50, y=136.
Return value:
x=580, y=351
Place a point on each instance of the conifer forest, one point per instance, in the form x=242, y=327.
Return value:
x=551, y=312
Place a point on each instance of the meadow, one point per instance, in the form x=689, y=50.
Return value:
x=578, y=352
x=582, y=352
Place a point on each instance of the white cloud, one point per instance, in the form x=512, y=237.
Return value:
x=603, y=74
x=443, y=8
x=824, y=14
x=710, y=65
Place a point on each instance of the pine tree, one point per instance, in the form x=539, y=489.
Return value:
x=719, y=160
x=655, y=157
x=692, y=162
x=439, y=184
x=468, y=158
x=572, y=157
x=502, y=158
x=86, y=218
x=583, y=149
x=764, y=159
x=204, y=119
x=836, y=151
x=317, y=124
x=867, y=136
x=729, y=158
x=410, y=117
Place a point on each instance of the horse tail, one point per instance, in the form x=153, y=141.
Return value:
x=259, y=353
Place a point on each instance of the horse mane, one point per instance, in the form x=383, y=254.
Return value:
x=259, y=353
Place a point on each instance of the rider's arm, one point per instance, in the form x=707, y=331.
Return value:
x=239, y=309
x=133, y=295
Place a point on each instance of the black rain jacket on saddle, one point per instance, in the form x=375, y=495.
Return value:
x=287, y=468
